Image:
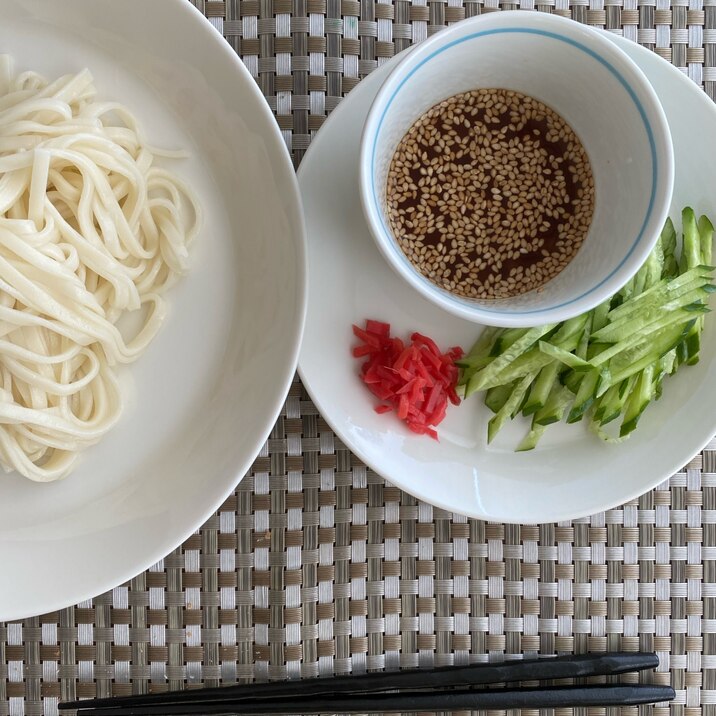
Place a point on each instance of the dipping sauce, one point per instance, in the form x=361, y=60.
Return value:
x=490, y=194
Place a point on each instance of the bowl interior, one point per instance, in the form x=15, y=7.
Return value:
x=202, y=399
x=614, y=115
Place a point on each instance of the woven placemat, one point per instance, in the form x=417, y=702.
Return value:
x=317, y=566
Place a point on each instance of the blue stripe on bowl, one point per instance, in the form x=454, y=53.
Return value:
x=624, y=84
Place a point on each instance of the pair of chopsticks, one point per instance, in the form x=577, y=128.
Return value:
x=443, y=689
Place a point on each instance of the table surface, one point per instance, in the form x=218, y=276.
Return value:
x=316, y=565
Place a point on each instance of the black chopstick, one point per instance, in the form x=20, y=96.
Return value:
x=561, y=667
x=499, y=699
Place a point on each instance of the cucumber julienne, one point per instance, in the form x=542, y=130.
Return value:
x=607, y=364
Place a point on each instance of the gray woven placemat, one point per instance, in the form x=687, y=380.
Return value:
x=306, y=54
x=316, y=565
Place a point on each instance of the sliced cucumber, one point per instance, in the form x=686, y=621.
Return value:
x=501, y=371
x=706, y=237
x=678, y=317
x=565, y=357
x=668, y=243
x=556, y=406
x=530, y=440
x=641, y=396
x=511, y=404
x=541, y=388
x=505, y=339
x=585, y=396
x=610, y=362
x=615, y=405
x=496, y=397
x=479, y=355
x=691, y=242
x=601, y=312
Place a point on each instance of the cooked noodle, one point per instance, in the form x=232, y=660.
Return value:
x=90, y=229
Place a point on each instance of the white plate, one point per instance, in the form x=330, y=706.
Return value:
x=203, y=398
x=571, y=473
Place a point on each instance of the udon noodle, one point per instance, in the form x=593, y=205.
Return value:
x=91, y=228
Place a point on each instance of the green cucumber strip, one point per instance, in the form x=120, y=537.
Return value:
x=497, y=421
x=484, y=341
x=569, y=359
x=541, y=388
x=706, y=236
x=615, y=407
x=486, y=375
x=570, y=330
x=697, y=287
x=693, y=340
x=693, y=344
x=585, y=396
x=599, y=430
x=671, y=267
x=638, y=283
x=632, y=370
x=670, y=319
x=665, y=367
x=529, y=442
x=603, y=403
x=600, y=315
x=668, y=362
x=682, y=353
x=572, y=380
x=505, y=339
x=657, y=293
x=530, y=362
x=583, y=345
x=656, y=344
x=468, y=368
x=668, y=243
x=626, y=292
x=496, y=397
x=605, y=380
x=479, y=355
x=631, y=362
x=641, y=396
x=595, y=349
x=626, y=326
x=554, y=409
x=649, y=273
x=691, y=242
x=693, y=337
x=653, y=266
x=521, y=406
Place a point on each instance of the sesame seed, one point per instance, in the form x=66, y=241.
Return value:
x=490, y=194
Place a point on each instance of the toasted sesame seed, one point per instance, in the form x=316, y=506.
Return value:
x=490, y=194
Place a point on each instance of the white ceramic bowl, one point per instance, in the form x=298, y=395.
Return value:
x=201, y=401
x=597, y=89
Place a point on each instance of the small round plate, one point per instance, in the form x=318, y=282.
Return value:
x=571, y=473
x=202, y=399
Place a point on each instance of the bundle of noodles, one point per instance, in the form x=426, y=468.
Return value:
x=90, y=229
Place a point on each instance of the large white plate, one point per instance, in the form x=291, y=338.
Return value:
x=203, y=398
x=571, y=473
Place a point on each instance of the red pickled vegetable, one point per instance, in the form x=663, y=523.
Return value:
x=421, y=340
x=360, y=351
x=377, y=328
x=416, y=380
x=403, y=404
x=369, y=339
